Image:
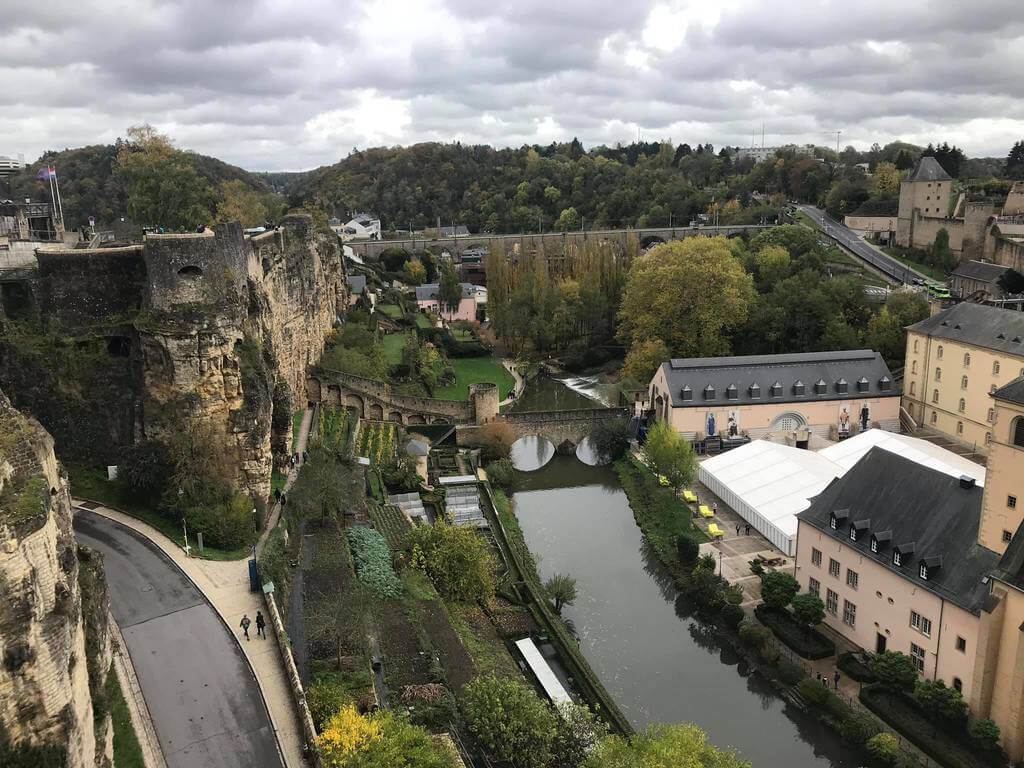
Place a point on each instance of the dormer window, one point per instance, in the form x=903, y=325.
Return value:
x=754, y=391
x=874, y=544
x=885, y=383
x=842, y=387
x=775, y=390
x=709, y=392
x=897, y=559
x=820, y=387
x=853, y=533
x=731, y=392
x=879, y=540
x=687, y=393
x=837, y=517
x=857, y=526
x=927, y=567
x=923, y=571
x=862, y=384
x=798, y=388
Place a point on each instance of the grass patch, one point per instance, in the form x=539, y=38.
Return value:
x=277, y=480
x=423, y=321
x=127, y=751
x=804, y=641
x=90, y=483
x=392, y=311
x=901, y=255
x=661, y=514
x=488, y=651
x=392, y=345
x=475, y=370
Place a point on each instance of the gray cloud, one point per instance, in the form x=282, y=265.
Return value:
x=278, y=85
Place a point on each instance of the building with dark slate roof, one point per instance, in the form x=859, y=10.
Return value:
x=977, y=280
x=891, y=547
x=831, y=393
x=955, y=360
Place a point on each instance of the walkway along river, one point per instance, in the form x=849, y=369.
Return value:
x=659, y=663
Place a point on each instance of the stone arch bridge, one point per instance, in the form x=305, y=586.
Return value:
x=563, y=428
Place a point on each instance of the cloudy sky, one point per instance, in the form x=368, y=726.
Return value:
x=276, y=85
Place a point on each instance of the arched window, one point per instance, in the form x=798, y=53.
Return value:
x=915, y=345
x=913, y=367
x=1017, y=432
x=995, y=368
x=963, y=382
x=967, y=359
x=991, y=415
x=988, y=438
x=959, y=427
x=958, y=684
x=963, y=405
x=935, y=417
x=912, y=389
x=938, y=354
x=935, y=395
x=938, y=374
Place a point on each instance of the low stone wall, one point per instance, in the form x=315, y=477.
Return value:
x=339, y=388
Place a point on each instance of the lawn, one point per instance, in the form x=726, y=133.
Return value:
x=127, y=752
x=393, y=344
x=390, y=310
x=476, y=370
x=901, y=256
x=90, y=483
x=423, y=321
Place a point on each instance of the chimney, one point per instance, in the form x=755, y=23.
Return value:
x=966, y=482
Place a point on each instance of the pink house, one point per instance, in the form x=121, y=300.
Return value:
x=427, y=299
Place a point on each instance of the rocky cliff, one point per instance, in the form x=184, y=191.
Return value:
x=53, y=634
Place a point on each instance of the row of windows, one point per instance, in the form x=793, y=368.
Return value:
x=967, y=360
x=960, y=425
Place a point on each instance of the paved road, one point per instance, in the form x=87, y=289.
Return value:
x=203, y=696
x=850, y=240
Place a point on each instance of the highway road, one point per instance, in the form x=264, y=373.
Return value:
x=852, y=242
x=201, y=691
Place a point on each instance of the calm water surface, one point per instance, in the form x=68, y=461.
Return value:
x=546, y=393
x=657, y=661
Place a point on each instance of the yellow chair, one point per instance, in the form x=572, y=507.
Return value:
x=662, y=479
x=689, y=496
x=705, y=511
x=715, y=531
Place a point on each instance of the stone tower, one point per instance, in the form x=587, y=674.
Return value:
x=925, y=191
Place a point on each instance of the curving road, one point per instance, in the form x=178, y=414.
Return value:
x=202, y=694
x=850, y=240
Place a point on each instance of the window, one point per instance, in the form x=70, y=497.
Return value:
x=922, y=571
x=962, y=406
x=988, y=438
x=833, y=567
x=849, y=613
x=816, y=557
x=961, y=644
x=814, y=587
x=853, y=532
x=913, y=367
x=915, y=345
x=1007, y=537
x=960, y=424
x=990, y=415
x=874, y=544
x=852, y=578
x=967, y=359
x=1017, y=432
x=963, y=382
x=935, y=395
x=831, y=602
x=1011, y=501
x=938, y=374
x=917, y=656
x=995, y=368
x=921, y=624
x=958, y=684
x=938, y=353
x=897, y=558
x=912, y=388
x=935, y=416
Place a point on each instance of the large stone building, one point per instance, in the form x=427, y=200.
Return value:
x=907, y=558
x=830, y=393
x=955, y=360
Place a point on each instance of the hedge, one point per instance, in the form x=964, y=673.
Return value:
x=808, y=643
x=948, y=747
x=855, y=667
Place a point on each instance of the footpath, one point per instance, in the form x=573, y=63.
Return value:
x=225, y=583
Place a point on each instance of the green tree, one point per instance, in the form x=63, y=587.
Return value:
x=568, y=220
x=663, y=746
x=610, y=439
x=509, y=721
x=942, y=256
x=689, y=294
x=985, y=732
x=671, y=454
x=778, y=589
x=884, y=747
x=894, y=671
x=578, y=732
x=644, y=358
x=449, y=290
x=687, y=549
x=808, y=609
x=562, y=589
x=414, y=271
x=885, y=181
x=456, y=560
x=145, y=469
x=1015, y=161
x=904, y=160
x=164, y=188
x=938, y=699
x=772, y=263
x=240, y=202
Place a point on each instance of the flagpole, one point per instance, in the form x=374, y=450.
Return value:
x=60, y=205
x=53, y=195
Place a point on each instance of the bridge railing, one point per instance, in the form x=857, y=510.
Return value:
x=577, y=414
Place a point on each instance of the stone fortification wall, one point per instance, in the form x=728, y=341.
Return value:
x=79, y=287
x=209, y=268
x=45, y=697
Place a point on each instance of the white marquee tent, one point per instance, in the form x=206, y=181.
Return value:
x=768, y=484
x=850, y=451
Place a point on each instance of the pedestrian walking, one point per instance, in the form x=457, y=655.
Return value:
x=305, y=457
x=291, y=461
x=277, y=494
x=748, y=529
x=836, y=678
x=714, y=507
x=261, y=625
x=737, y=529
x=284, y=499
x=245, y=625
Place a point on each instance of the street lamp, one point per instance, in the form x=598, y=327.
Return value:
x=184, y=525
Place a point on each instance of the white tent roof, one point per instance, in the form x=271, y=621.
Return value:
x=849, y=452
x=776, y=480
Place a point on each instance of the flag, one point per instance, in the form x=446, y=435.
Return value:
x=47, y=173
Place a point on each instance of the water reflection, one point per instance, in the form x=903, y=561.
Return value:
x=532, y=452
x=586, y=453
x=545, y=393
x=658, y=660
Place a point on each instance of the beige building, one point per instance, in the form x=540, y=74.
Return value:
x=832, y=393
x=924, y=195
x=955, y=360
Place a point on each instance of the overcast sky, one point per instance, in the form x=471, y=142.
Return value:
x=276, y=85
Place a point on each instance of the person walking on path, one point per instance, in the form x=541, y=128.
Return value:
x=305, y=457
x=261, y=625
x=245, y=625
x=737, y=529
x=748, y=529
x=836, y=678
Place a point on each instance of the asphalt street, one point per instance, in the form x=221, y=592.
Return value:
x=202, y=694
x=851, y=241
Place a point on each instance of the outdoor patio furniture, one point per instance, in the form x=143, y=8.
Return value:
x=715, y=531
x=705, y=511
x=689, y=496
x=663, y=480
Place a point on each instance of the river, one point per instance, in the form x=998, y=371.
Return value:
x=564, y=392
x=658, y=662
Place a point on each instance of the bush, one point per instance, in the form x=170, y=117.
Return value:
x=935, y=697
x=509, y=721
x=858, y=727
x=985, y=732
x=146, y=468
x=813, y=692
x=687, y=549
x=753, y=634
x=457, y=560
x=228, y=525
x=789, y=672
x=884, y=747
x=778, y=589
x=894, y=671
x=372, y=559
x=855, y=667
x=706, y=589
x=808, y=643
x=610, y=439
x=496, y=440
x=502, y=474
x=325, y=698
x=399, y=474
x=732, y=615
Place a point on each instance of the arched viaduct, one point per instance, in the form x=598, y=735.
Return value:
x=561, y=427
x=552, y=242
